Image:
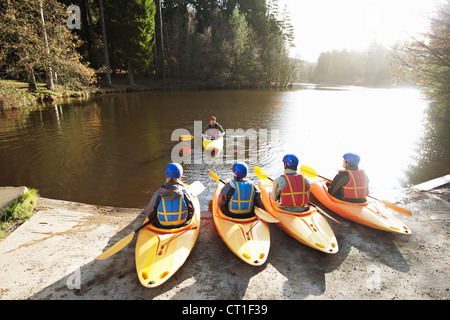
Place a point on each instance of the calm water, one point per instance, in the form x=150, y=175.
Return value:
x=112, y=150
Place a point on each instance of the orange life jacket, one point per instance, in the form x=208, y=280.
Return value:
x=295, y=194
x=358, y=185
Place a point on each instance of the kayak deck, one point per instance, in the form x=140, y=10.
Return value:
x=160, y=252
x=213, y=145
x=367, y=213
x=309, y=227
x=249, y=239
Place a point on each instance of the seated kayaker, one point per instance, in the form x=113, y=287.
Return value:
x=240, y=195
x=291, y=190
x=171, y=206
x=213, y=125
x=350, y=184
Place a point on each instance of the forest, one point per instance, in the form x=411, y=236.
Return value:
x=218, y=43
x=200, y=44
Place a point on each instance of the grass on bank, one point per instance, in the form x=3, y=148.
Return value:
x=15, y=95
x=19, y=212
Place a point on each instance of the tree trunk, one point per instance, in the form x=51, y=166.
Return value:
x=50, y=72
x=162, y=45
x=105, y=44
x=130, y=73
x=92, y=42
x=32, y=81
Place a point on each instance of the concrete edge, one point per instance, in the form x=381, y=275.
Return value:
x=8, y=195
x=433, y=184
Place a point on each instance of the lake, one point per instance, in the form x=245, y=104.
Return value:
x=112, y=149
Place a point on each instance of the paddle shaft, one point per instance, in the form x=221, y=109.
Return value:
x=367, y=196
x=165, y=244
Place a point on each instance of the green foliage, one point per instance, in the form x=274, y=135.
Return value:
x=23, y=49
x=130, y=27
x=230, y=43
x=217, y=43
x=17, y=213
x=426, y=62
x=12, y=97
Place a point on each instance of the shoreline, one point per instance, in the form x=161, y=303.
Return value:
x=51, y=257
x=23, y=99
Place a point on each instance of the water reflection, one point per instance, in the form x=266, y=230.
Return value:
x=113, y=149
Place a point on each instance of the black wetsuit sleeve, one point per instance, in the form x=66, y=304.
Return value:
x=339, y=181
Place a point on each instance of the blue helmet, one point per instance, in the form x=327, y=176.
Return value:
x=352, y=159
x=290, y=160
x=240, y=170
x=174, y=170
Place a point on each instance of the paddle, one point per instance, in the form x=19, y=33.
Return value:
x=260, y=173
x=186, y=138
x=311, y=173
x=195, y=188
x=262, y=214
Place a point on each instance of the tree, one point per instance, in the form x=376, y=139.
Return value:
x=131, y=24
x=426, y=62
x=375, y=66
x=29, y=47
x=105, y=45
x=47, y=49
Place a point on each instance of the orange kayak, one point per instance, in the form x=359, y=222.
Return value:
x=309, y=227
x=249, y=239
x=368, y=213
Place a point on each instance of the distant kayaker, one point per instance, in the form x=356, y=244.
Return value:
x=350, y=184
x=213, y=128
x=291, y=190
x=171, y=206
x=240, y=195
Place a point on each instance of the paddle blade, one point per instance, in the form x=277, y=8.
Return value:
x=186, y=138
x=265, y=216
x=214, y=176
x=260, y=173
x=395, y=208
x=309, y=172
x=117, y=247
x=196, y=188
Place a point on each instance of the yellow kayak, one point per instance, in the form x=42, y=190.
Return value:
x=213, y=145
x=309, y=227
x=249, y=239
x=161, y=252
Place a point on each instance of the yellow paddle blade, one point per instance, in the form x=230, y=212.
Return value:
x=117, y=247
x=264, y=215
x=309, y=172
x=394, y=207
x=260, y=173
x=186, y=138
x=214, y=176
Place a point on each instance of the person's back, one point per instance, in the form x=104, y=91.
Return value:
x=350, y=184
x=171, y=206
x=238, y=198
x=291, y=190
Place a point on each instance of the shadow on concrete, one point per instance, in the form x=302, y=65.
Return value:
x=213, y=272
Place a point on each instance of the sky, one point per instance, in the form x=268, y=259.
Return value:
x=325, y=25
